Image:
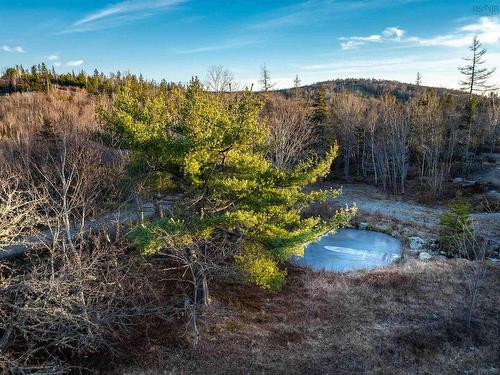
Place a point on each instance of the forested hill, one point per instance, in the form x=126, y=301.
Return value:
x=40, y=78
x=368, y=88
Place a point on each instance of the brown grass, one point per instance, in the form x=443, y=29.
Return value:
x=406, y=319
x=24, y=115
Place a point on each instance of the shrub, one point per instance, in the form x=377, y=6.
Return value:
x=455, y=225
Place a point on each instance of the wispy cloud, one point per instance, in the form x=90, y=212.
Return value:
x=359, y=64
x=74, y=63
x=390, y=33
x=10, y=49
x=486, y=28
x=229, y=44
x=314, y=11
x=120, y=13
x=393, y=33
x=53, y=57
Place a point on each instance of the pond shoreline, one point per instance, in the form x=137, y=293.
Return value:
x=403, y=219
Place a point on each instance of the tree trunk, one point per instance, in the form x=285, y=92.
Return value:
x=200, y=288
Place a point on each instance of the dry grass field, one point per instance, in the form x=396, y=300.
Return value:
x=408, y=319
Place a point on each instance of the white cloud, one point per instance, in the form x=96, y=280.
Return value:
x=393, y=32
x=119, y=13
x=487, y=30
x=17, y=49
x=53, y=57
x=390, y=33
x=57, y=64
x=74, y=63
x=351, y=44
x=371, y=38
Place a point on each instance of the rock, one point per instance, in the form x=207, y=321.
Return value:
x=468, y=184
x=363, y=225
x=424, y=256
x=416, y=243
x=464, y=183
x=396, y=234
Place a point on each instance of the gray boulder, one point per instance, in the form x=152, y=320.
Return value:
x=424, y=256
x=416, y=243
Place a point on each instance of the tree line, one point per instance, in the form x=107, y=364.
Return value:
x=386, y=133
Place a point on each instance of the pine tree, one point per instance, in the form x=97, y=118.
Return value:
x=265, y=79
x=475, y=76
x=475, y=81
x=418, y=82
x=296, y=85
x=455, y=226
x=320, y=106
x=216, y=152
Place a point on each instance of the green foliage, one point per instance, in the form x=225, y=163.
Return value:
x=455, y=225
x=40, y=78
x=214, y=147
x=320, y=106
x=260, y=268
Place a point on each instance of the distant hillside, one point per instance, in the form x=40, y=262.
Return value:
x=369, y=88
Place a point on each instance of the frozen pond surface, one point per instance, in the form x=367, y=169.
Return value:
x=350, y=249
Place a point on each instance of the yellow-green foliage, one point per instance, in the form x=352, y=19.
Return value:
x=214, y=147
x=259, y=267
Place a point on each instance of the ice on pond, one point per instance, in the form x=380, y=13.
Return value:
x=350, y=249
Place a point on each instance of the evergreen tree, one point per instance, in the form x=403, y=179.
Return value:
x=320, y=106
x=296, y=84
x=265, y=79
x=475, y=80
x=455, y=226
x=418, y=82
x=215, y=149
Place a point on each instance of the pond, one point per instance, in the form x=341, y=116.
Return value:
x=350, y=249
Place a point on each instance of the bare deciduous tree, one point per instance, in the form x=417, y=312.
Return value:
x=392, y=145
x=433, y=139
x=291, y=130
x=19, y=214
x=78, y=304
x=219, y=79
x=347, y=112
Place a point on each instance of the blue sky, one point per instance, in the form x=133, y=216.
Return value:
x=316, y=39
